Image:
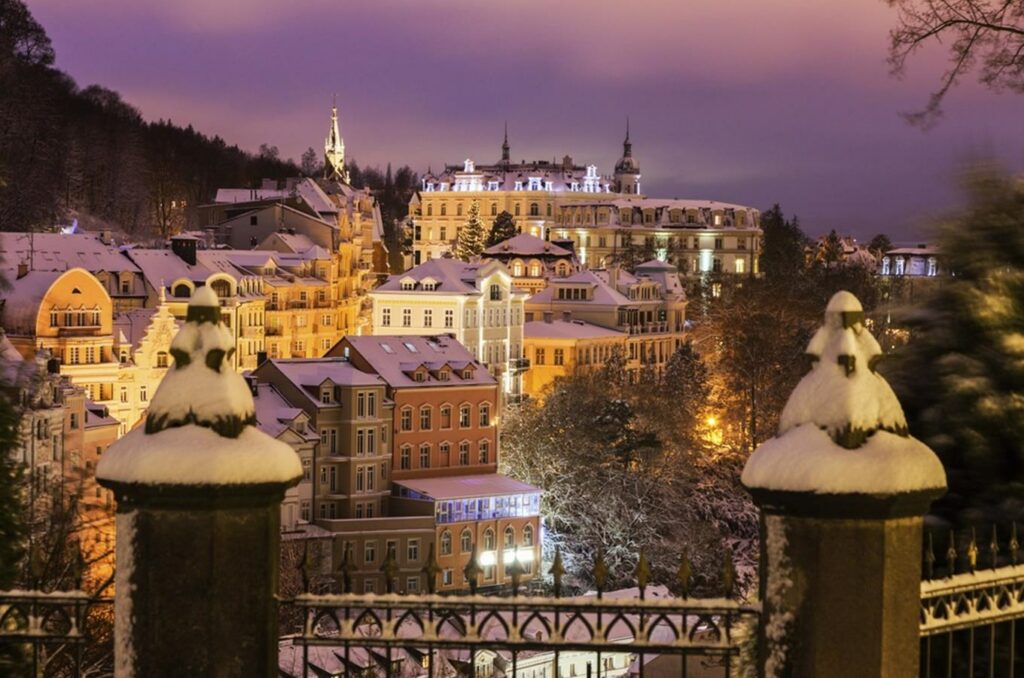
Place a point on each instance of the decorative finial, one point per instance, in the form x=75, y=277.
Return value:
x=202, y=388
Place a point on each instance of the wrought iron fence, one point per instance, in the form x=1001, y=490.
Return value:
x=56, y=633
x=971, y=601
x=604, y=634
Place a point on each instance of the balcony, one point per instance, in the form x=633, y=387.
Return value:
x=518, y=364
x=273, y=331
x=77, y=330
x=295, y=303
x=647, y=328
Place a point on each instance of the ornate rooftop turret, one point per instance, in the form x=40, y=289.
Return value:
x=505, y=149
x=627, y=169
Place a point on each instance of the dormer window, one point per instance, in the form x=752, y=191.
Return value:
x=467, y=373
x=519, y=186
x=419, y=375
x=492, y=185
x=443, y=375
x=326, y=394
x=408, y=284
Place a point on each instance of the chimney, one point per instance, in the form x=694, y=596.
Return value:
x=22, y=270
x=254, y=387
x=566, y=316
x=185, y=248
x=261, y=357
x=106, y=237
x=53, y=366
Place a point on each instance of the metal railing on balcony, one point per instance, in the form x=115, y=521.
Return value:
x=519, y=364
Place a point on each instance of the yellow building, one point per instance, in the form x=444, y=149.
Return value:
x=559, y=348
x=118, y=360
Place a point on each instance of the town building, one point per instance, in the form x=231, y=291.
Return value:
x=59, y=252
x=648, y=307
x=117, y=360
x=532, y=192
x=560, y=348
x=476, y=303
x=919, y=261
x=444, y=449
x=697, y=236
x=533, y=261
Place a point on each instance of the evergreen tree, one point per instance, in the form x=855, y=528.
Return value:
x=960, y=378
x=782, y=254
x=830, y=252
x=503, y=228
x=470, y=240
x=685, y=391
x=310, y=163
x=880, y=244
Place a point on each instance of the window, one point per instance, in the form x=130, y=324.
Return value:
x=406, y=419
x=385, y=317
x=495, y=292
x=446, y=416
x=369, y=552
x=161, y=359
x=143, y=396
x=466, y=541
x=447, y=577
x=528, y=535
x=412, y=552
x=718, y=243
x=464, y=416
x=446, y=451
x=425, y=418
x=360, y=479
x=406, y=317
x=425, y=455
x=538, y=356
x=485, y=414
x=485, y=452
x=371, y=481
x=463, y=454
x=326, y=395
x=449, y=318
x=559, y=356
x=371, y=404
x=412, y=584
x=741, y=265
x=510, y=537
x=428, y=317
x=446, y=543
x=444, y=209
x=458, y=210
x=360, y=442
x=307, y=469
x=361, y=404
x=534, y=209
x=74, y=420
x=405, y=461
x=489, y=544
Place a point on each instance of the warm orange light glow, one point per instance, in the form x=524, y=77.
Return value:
x=712, y=421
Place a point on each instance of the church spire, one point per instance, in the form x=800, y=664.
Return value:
x=505, y=147
x=627, y=145
x=334, y=149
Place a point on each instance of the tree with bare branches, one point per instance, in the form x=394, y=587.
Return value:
x=987, y=34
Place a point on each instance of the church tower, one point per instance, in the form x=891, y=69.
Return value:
x=334, y=150
x=627, y=169
x=505, y=149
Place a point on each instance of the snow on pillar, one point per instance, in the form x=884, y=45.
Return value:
x=198, y=492
x=842, y=490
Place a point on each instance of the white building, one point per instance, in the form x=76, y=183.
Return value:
x=476, y=303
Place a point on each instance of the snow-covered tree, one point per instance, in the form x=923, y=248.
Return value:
x=470, y=240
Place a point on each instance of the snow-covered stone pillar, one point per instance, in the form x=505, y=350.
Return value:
x=842, y=490
x=198, y=494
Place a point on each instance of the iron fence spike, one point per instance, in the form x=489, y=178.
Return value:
x=557, y=571
x=472, y=570
x=1014, y=544
x=972, y=552
x=929, y=557
x=431, y=569
x=993, y=547
x=516, y=571
x=643, y=573
x=390, y=570
x=728, y=575
x=683, y=575
x=600, y=572
x=951, y=554
x=303, y=566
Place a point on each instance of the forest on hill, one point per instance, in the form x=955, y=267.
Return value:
x=67, y=150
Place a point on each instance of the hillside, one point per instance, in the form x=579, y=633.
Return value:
x=66, y=150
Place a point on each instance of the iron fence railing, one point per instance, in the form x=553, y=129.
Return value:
x=971, y=601
x=56, y=633
x=606, y=634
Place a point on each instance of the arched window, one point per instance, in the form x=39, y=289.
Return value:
x=425, y=418
x=444, y=209
x=528, y=535
x=446, y=416
x=458, y=210
x=517, y=209
x=485, y=414
x=446, y=543
x=425, y=455
x=466, y=541
x=405, y=420
x=464, y=416
x=485, y=452
x=405, y=461
x=549, y=209
x=430, y=210
x=510, y=537
x=534, y=209
x=563, y=269
x=222, y=288
x=517, y=269
x=535, y=269
x=489, y=543
x=494, y=209
x=161, y=359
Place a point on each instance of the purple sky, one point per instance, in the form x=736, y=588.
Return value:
x=748, y=101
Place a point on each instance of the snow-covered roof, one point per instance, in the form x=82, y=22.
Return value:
x=526, y=245
x=59, y=252
x=386, y=354
x=603, y=293
x=22, y=300
x=920, y=251
x=307, y=374
x=97, y=416
x=461, y=487
x=561, y=329
x=658, y=203
x=842, y=429
x=236, y=195
x=162, y=267
x=130, y=326
x=448, y=275
x=274, y=414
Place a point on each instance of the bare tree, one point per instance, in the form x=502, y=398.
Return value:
x=984, y=33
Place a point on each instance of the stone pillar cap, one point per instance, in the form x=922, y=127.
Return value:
x=200, y=428
x=843, y=430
